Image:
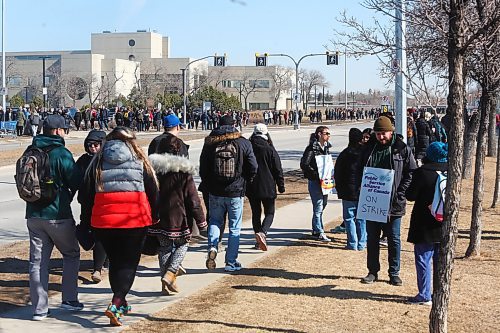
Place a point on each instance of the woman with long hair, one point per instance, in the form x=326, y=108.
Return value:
x=261, y=192
x=318, y=145
x=122, y=191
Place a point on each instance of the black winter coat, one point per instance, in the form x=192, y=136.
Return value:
x=424, y=137
x=348, y=173
x=423, y=227
x=308, y=160
x=179, y=202
x=404, y=164
x=247, y=165
x=269, y=173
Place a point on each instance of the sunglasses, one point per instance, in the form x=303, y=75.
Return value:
x=326, y=133
x=93, y=144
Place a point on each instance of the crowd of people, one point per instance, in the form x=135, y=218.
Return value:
x=133, y=198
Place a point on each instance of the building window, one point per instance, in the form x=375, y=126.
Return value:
x=131, y=42
x=131, y=57
x=15, y=81
x=259, y=83
x=258, y=106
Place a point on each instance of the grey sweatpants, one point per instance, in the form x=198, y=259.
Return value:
x=44, y=234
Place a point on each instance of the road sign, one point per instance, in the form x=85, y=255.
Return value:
x=4, y=91
x=296, y=98
x=220, y=61
x=385, y=108
x=332, y=58
x=395, y=66
x=261, y=61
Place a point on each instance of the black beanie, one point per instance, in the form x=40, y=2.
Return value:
x=355, y=136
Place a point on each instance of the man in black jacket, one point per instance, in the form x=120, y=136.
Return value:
x=388, y=151
x=172, y=126
x=227, y=162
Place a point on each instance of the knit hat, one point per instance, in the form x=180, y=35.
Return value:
x=260, y=129
x=355, y=136
x=383, y=124
x=437, y=152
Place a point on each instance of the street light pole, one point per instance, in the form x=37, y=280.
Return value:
x=4, y=88
x=184, y=85
x=345, y=80
x=44, y=88
x=296, y=125
x=400, y=86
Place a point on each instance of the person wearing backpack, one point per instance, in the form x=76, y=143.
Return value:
x=425, y=230
x=227, y=163
x=51, y=223
x=261, y=192
x=437, y=129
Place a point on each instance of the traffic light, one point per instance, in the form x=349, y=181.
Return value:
x=220, y=61
x=332, y=58
x=260, y=61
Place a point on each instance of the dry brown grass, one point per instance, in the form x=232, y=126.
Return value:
x=311, y=287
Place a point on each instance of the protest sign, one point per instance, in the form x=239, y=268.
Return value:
x=325, y=170
x=375, y=196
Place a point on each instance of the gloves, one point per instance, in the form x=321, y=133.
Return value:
x=281, y=189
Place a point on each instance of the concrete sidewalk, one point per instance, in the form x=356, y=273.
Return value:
x=291, y=222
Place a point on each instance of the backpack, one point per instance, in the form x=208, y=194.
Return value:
x=33, y=178
x=437, y=205
x=226, y=166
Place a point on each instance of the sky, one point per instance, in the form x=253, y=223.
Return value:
x=197, y=28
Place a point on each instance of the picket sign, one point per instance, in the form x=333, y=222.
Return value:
x=325, y=170
x=375, y=196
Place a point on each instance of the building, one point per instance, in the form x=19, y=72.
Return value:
x=118, y=63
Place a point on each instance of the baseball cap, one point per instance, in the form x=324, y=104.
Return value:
x=171, y=121
x=55, y=121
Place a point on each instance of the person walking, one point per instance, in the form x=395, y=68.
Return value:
x=92, y=145
x=425, y=231
x=227, y=163
x=172, y=126
x=35, y=122
x=261, y=192
x=53, y=224
x=179, y=203
x=424, y=135
x=348, y=175
x=120, y=211
x=318, y=145
x=388, y=151
x=21, y=120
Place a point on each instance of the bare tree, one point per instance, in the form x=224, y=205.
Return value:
x=309, y=80
x=282, y=82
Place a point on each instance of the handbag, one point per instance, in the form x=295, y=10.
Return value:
x=85, y=237
x=151, y=245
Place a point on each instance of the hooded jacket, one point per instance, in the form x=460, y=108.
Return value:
x=348, y=173
x=129, y=195
x=247, y=163
x=178, y=201
x=269, y=174
x=423, y=226
x=66, y=174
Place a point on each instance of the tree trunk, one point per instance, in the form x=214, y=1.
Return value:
x=470, y=145
x=497, y=176
x=476, y=224
x=492, y=142
x=438, y=319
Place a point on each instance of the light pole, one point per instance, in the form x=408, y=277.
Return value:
x=400, y=85
x=184, y=84
x=44, y=88
x=296, y=125
x=4, y=88
x=26, y=89
x=345, y=79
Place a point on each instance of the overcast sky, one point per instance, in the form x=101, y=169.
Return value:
x=198, y=28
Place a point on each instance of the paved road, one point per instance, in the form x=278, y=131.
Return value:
x=289, y=143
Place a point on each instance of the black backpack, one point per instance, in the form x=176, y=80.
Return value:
x=226, y=161
x=34, y=181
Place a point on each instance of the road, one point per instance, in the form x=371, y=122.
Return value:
x=289, y=144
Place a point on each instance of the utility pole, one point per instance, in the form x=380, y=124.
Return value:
x=44, y=87
x=399, y=66
x=4, y=87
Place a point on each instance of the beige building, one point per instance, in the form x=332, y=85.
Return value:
x=119, y=62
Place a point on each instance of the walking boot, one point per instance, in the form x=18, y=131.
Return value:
x=169, y=281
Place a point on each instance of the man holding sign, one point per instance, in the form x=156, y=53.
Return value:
x=389, y=165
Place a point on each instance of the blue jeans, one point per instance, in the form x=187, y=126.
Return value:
x=392, y=231
x=355, y=228
x=319, y=202
x=424, y=253
x=218, y=206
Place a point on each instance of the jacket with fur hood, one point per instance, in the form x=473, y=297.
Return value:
x=179, y=202
x=247, y=164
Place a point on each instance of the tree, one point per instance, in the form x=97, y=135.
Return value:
x=282, y=82
x=16, y=100
x=309, y=80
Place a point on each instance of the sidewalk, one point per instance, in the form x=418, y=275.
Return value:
x=291, y=222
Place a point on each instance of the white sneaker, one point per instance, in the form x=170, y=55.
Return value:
x=322, y=237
